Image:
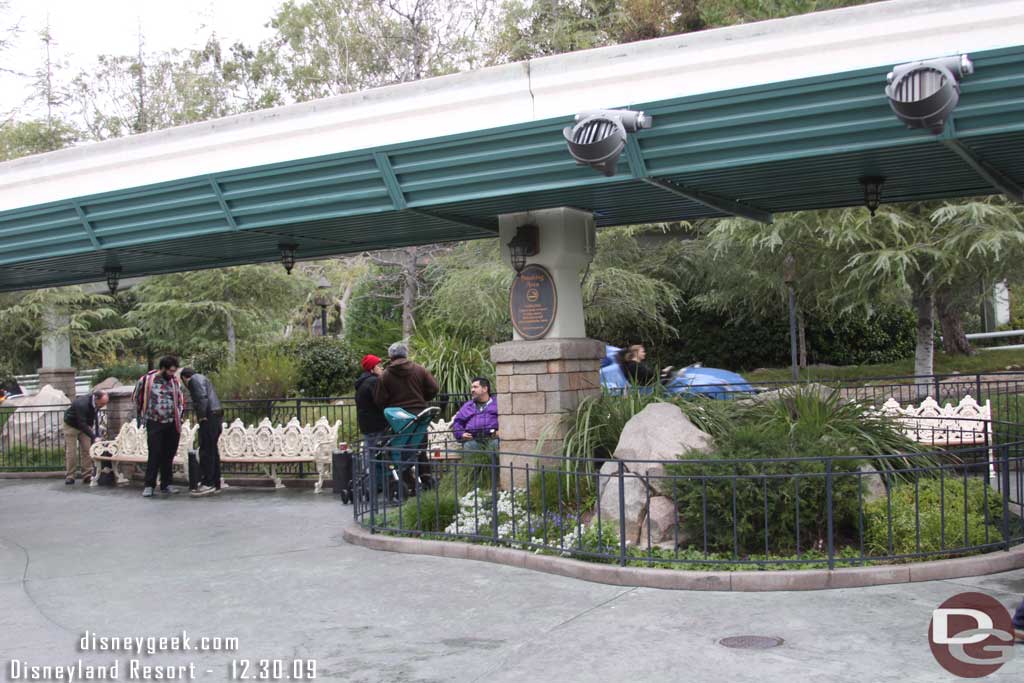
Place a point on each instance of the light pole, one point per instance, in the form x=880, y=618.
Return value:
x=323, y=300
x=789, y=277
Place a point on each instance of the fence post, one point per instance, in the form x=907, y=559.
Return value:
x=494, y=495
x=622, y=513
x=298, y=410
x=828, y=505
x=367, y=459
x=270, y=410
x=977, y=388
x=1004, y=473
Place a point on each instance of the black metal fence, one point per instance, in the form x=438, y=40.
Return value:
x=32, y=439
x=708, y=513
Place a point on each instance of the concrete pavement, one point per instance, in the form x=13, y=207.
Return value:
x=270, y=568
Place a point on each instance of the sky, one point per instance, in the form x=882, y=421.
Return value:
x=84, y=29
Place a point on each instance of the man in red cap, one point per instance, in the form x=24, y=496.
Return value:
x=370, y=418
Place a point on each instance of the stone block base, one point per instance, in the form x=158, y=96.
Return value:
x=539, y=382
x=62, y=379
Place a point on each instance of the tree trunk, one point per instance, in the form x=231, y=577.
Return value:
x=409, y=292
x=342, y=305
x=954, y=341
x=801, y=337
x=232, y=340
x=924, y=352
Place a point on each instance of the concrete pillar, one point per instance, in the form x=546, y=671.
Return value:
x=539, y=381
x=57, y=370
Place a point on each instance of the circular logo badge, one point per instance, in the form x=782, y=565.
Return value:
x=971, y=635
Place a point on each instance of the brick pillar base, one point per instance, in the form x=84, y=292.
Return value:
x=537, y=383
x=59, y=378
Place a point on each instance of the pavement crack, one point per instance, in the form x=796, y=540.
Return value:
x=28, y=593
x=504, y=659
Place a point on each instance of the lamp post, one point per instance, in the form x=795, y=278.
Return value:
x=789, y=277
x=323, y=300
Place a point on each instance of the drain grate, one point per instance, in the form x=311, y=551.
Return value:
x=751, y=642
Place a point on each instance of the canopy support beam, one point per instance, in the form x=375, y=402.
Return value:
x=215, y=186
x=996, y=178
x=86, y=225
x=714, y=201
x=387, y=173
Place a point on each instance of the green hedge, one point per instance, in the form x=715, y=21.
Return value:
x=326, y=366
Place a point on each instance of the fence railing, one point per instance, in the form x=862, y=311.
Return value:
x=785, y=512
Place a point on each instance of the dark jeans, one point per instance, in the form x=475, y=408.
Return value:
x=1018, y=618
x=209, y=456
x=162, y=439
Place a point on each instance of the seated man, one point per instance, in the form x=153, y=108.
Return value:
x=476, y=423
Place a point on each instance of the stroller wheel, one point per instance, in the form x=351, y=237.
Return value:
x=346, y=496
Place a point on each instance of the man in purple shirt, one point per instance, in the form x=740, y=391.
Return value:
x=476, y=423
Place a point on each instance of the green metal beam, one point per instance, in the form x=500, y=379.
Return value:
x=390, y=180
x=86, y=225
x=999, y=180
x=215, y=186
x=713, y=201
x=456, y=221
x=637, y=165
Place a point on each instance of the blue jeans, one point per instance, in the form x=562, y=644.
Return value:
x=372, y=452
x=1018, y=617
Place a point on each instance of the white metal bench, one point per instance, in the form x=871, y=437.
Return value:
x=265, y=445
x=269, y=445
x=132, y=446
x=949, y=426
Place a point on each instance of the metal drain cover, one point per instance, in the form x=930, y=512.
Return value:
x=751, y=642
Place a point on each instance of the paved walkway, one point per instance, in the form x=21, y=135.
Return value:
x=270, y=568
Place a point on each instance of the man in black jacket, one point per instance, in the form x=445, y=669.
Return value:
x=369, y=416
x=211, y=421
x=81, y=424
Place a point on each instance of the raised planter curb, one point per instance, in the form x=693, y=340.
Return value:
x=682, y=579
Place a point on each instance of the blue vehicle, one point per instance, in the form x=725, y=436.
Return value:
x=693, y=379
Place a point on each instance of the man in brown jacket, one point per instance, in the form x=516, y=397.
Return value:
x=404, y=384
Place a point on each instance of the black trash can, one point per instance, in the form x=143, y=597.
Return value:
x=341, y=470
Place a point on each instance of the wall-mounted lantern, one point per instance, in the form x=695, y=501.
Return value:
x=526, y=243
x=872, y=191
x=287, y=250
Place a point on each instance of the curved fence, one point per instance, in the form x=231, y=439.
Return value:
x=786, y=512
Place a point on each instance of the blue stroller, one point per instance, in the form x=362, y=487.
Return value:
x=401, y=467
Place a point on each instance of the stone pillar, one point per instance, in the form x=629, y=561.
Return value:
x=539, y=381
x=57, y=370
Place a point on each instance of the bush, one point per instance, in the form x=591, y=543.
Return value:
x=885, y=337
x=454, y=361
x=126, y=373
x=259, y=374
x=930, y=494
x=326, y=367
x=207, y=359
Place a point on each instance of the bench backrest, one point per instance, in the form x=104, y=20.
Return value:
x=266, y=440
x=439, y=435
x=963, y=424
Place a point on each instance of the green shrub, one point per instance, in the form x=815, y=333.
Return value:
x=208, y=358
x=933, y=496
x=454, y=361
x=850, y=339
x=127, y=373
x=21, y=457
x=257, y=374
x=326, y=366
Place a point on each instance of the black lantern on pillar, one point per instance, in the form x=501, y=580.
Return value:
x=872, y=185
x=287, y=250
x=113, y=274
x=526, y=243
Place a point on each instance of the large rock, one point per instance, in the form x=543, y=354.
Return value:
x=873, y=482
x=107, y=384
x=635, y=500
x=662, y=518
x=38, y=420
x=658, y=434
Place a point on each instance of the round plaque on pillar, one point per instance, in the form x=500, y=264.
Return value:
x=533, y=302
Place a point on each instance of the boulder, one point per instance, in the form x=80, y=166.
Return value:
x=635, y=501
x=662, y=518
x=873, y=483
x=658, y=434
x=38, y=420
x=107, y=384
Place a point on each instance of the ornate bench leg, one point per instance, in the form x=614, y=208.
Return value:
x=95, y=481
x=278, y=484
x=319, y=486
x=121, y=479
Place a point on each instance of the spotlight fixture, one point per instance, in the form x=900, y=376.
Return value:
x=924, y=94
x=287, y=250
x=599, y=137
x=872, y=191
x=113, y=274
x=526, y=243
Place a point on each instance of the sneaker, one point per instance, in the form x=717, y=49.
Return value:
x=203, y=490
x=169, y=489
x=147, y=492
x=69, y=482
